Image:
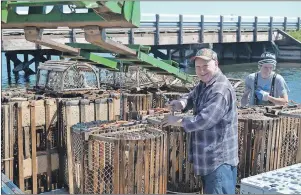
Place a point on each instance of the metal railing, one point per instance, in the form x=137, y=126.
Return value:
x=156, y=23
x=208, y=22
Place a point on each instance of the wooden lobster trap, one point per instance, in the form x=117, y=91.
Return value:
x=267, y=142
x=180, y=171
x=161, y=98
x=119, y=159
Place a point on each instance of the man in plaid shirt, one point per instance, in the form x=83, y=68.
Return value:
x=213, y=128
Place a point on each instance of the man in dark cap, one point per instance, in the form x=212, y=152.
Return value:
x=213, y=127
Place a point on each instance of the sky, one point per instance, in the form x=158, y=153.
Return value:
x=243, y=8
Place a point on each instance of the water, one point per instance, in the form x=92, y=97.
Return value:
x=291, y=72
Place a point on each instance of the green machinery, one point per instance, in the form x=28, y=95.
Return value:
x=99, y=15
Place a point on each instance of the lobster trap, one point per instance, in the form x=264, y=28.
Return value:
x=119, y=159
x=67, y=77
x=133, y=77
x=161, y=98
x=267, y=142
x=180, y=171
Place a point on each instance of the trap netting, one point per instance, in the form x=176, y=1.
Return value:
x=134, y=77
x=119, y=159
x=66, y=76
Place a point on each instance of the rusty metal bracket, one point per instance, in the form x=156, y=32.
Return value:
x=96, y=36
x=33, y=34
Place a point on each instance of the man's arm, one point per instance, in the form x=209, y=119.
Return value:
x=283, y=90
x=245, y=97
x=282, y=100
x=187, y=99
x=211, y=114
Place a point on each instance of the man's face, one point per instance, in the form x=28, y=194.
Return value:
x=205, y=69
x=266, y=70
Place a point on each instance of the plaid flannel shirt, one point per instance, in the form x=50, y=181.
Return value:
x=213, y=129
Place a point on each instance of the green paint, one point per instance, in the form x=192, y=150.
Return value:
x=109, y=63
x=129, y=11
x=164, y=66
x=114, y=7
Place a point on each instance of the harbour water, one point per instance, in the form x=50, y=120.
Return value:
x=290, y=71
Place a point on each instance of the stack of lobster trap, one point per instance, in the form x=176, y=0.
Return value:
x=118, y=158
x=66, y=132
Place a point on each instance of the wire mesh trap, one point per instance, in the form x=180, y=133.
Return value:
x=66, y=77
x=124, y=159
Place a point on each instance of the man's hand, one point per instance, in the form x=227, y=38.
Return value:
x=172, y=120
x=174, y=105
x=262, y=95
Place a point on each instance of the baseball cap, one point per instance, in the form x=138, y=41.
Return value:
x=206, y=54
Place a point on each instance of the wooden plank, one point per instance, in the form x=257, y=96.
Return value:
x=249, y=147
x=181, y=31
x=187, y=173
x=287, y=138
x=20, y=148
x=161, y=170
x=221, y=30
x=126, y=166
x=271, y=29
x=263, y=146
x=165, y=163
x=33, y=147
x=152, y=167
x=110, y=109
x=270, y=132
x=144, y=99
x=116, y=161
x=255, y=32
x=157, y=31
x=27, y=142
x=173, y=157
x=48, y=144
x=122, y=166
x=139, y=167
x=12, y=139
x=157, y=165
x=146, y=166
x=202, y=30
x=181, y=156
x=239, y=29
x=277, y=146
x=285, y=130
x=101, y=109
x=273, y=146
x=242, y=163
x=131, y=165
x=116, y=105
x=291, y=140
x=6, y=143
x=69, y=151
x=255, y=152
x=298, y=157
